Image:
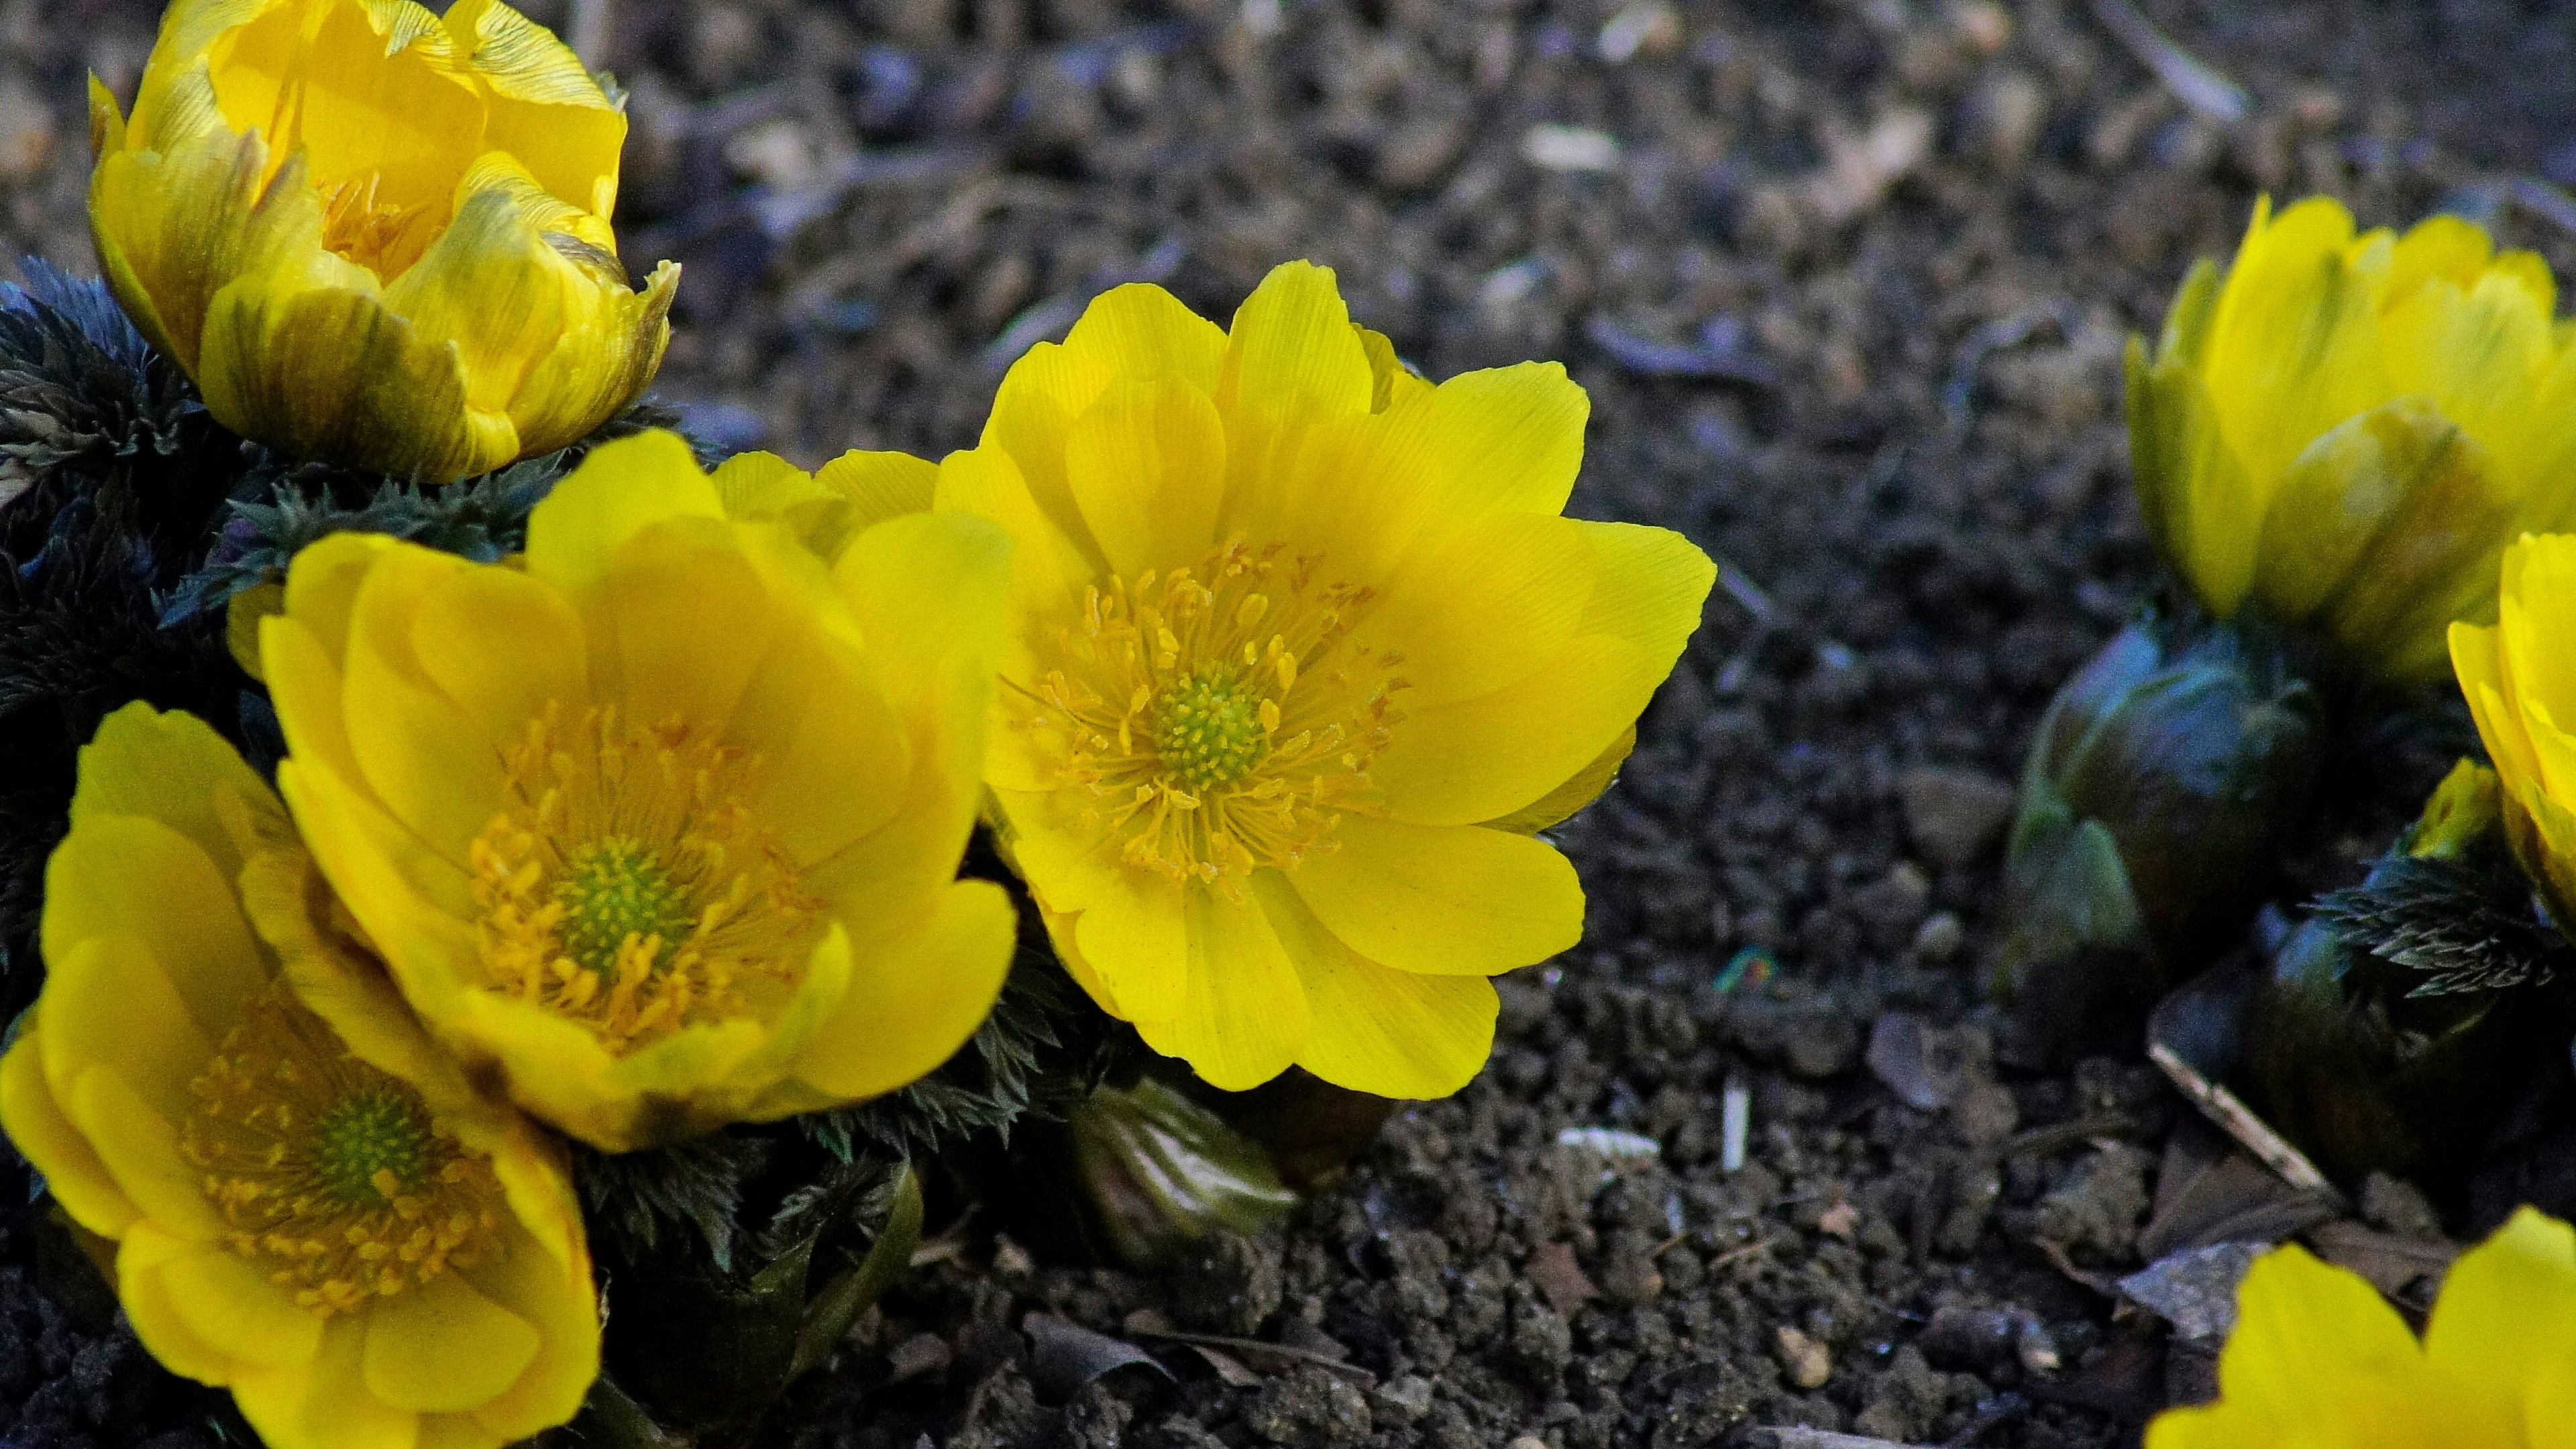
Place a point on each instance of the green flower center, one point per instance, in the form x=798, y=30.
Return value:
x=372, y=1144
x=617, y=889
x=1207, y=729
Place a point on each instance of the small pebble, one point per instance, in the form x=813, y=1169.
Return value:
x=1804, y=1360
x=1938, y=940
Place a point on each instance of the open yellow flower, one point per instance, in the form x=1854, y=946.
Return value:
x=376, y=236
x=331, y=1223
x=1301, y=653
x=2348, y=428
x=2320, y=1361
x=660, y=825
x=2520, y=676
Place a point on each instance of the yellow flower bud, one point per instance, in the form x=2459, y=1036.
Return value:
x=376, y=236
x=2347, y=429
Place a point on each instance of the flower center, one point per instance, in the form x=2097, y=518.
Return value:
x=1208, y=730
x=1215, y=717
x=378, y=235
x=329, y=1174
x=628, y=887
x=616, y=891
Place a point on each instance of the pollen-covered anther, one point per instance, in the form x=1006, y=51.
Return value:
x=1216, y=715
x=319, y=1164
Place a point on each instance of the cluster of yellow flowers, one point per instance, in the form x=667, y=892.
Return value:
x=1265, y=658
x=2372, y=437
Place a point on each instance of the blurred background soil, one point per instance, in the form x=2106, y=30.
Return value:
x=1848, y=282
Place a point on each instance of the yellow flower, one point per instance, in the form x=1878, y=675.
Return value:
x=2519, y=678
x=2348, y=429
x=660, y=825
x=375, y=236
x=332, y=1224
x=1301, y=654
x=2320, y=1361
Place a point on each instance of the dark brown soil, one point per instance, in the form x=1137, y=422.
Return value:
x=1849, y=298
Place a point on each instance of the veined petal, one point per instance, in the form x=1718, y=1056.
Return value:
x=1242, y=1017
x=516, y=270
x=621, y=489
x=1444, y=901
x=1146, y=465
x=1373, y=1028
x=1292, y=361
x=393, y=400
x=541, y=105
x=880, y=486
x=444, y=1348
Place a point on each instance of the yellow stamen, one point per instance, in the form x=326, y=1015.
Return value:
x=319, y=1165
x=1211, y=746
x=629, y=888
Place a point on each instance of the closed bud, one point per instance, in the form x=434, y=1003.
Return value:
x=2152, y=806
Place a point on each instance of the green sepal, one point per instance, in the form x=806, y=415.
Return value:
x=1161, y=1171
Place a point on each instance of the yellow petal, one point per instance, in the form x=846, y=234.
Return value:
x=836, y=759
x=1584, y=788
x=683, y=625
x=1485, y=606
x=541, y=105
x=36, y=1125
x=601, y=365
x=1446, y=901
x=501, y=646
x=139, y=1147
x=558, y=1300
x=2301, y=277
x=1478, y=759
x=421, y=754
x=171, y=767
x=1241, y=1018
x=324, y=1404
x=1373, y=1028
x=1146, y=465
x=155, y=893
x=111, y=1002
x=443, y=1347
x=2306, y=1332
x=394, y=401
x=761, y=485
x=174, y=225
x=513, y=272
x=1132, y=333
x=227, y=1301
x=621, y=489
x=1048, y=569
x=1292, y=361
x=915, y=996
x=880, y=486
x=2506, y=1316
x=144, y=1291
x=1366, y=491
x=1142, y=333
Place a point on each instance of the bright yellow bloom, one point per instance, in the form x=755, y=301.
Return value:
x=375, y=236
x=2348, y=429
x=2320, y=1361
x=1301, y=653
x=659, y=825
x=331, y=1223
x=2520, y=676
